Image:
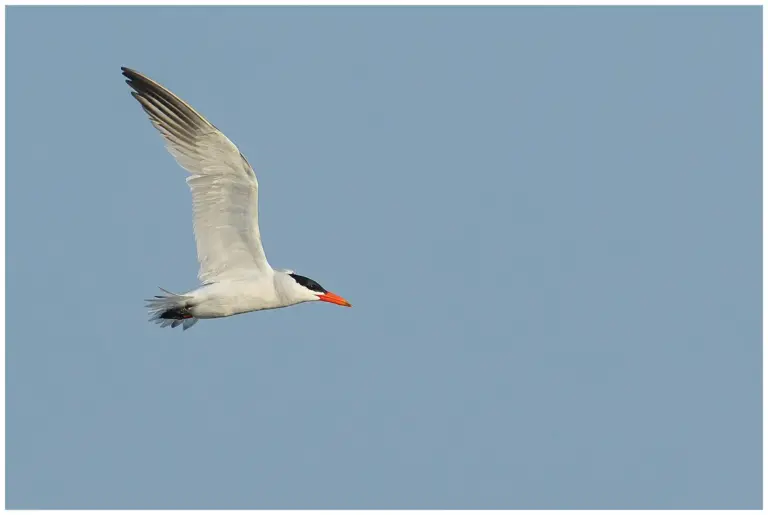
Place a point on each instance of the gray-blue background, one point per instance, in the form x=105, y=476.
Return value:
x=547, y=219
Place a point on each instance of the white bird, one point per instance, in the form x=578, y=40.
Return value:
x=234, y=272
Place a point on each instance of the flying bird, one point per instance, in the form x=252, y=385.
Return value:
x=234, y=273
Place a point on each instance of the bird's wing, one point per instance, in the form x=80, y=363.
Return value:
x=223, y=184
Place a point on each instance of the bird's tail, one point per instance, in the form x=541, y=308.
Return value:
x=172, y=310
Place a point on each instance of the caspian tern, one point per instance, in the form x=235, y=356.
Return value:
x=234, y=273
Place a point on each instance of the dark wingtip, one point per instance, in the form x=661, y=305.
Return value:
x=130, y=74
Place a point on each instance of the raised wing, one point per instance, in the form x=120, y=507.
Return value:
x=223, y=184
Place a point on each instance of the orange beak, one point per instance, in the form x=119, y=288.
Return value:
x=334, y=299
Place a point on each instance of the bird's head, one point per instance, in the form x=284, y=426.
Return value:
x=309, y=290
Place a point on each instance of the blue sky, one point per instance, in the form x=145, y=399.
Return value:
x=547, y=220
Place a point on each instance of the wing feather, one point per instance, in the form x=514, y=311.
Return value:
x=224, y=186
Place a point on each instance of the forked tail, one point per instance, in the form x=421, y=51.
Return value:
x=171, y=310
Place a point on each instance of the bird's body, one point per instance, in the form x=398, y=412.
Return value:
x=226, y=298
x=235, y=296
x=234, y=272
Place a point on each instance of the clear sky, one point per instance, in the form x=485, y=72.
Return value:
x=548, y=221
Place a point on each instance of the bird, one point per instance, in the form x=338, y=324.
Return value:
x=234, y=274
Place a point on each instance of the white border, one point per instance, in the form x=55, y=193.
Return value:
x=2, y=261
x=393, y=2
x=765, y=190
x=357, y=3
